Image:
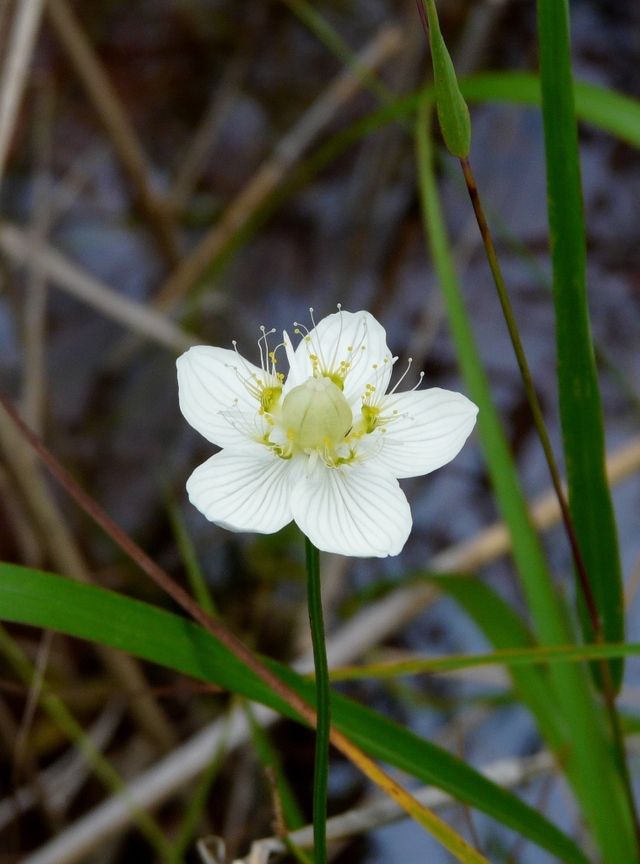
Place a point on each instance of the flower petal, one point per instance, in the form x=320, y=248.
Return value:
x=349, y=337
x=243, y=489
x=429, y=430
x=352, y=510
x=209, y=382
x=296, y=375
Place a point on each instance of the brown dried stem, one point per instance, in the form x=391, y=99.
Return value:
x=274, y=170
x=22, y=40
x=64, y=274
x=125, y=141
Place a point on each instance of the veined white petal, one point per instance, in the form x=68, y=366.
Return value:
x=296, y=375
x=210, y=381
x=355, y=338
x=243, y=489
x=427, y=432
x=352, y=510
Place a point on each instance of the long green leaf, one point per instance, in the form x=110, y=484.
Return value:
x=590, y=764
x=86, y=611
x=580, y=403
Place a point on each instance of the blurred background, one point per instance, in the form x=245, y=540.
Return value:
x=159, y=189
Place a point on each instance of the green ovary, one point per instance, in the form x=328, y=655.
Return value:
x=316, y=414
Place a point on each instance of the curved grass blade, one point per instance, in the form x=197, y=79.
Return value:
x=590, y=765
x=45, y=600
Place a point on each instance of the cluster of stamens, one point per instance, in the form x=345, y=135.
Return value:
x=266, y=390
x=288, y=426
x=332, y=367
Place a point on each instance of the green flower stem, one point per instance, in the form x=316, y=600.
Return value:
x=323, y=695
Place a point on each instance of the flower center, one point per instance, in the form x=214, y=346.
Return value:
x=316, y=414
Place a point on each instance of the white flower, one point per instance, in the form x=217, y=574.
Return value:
x=325, y=446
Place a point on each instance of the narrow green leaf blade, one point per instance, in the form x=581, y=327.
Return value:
x=88, y=612
x=510, y=657
x=580, y=403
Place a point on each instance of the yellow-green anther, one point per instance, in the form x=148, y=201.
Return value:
x=370, y=416
x=269, y=398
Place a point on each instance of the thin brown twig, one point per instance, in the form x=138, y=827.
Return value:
x=35, y=304
x=125, y=141
x=532, y=397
